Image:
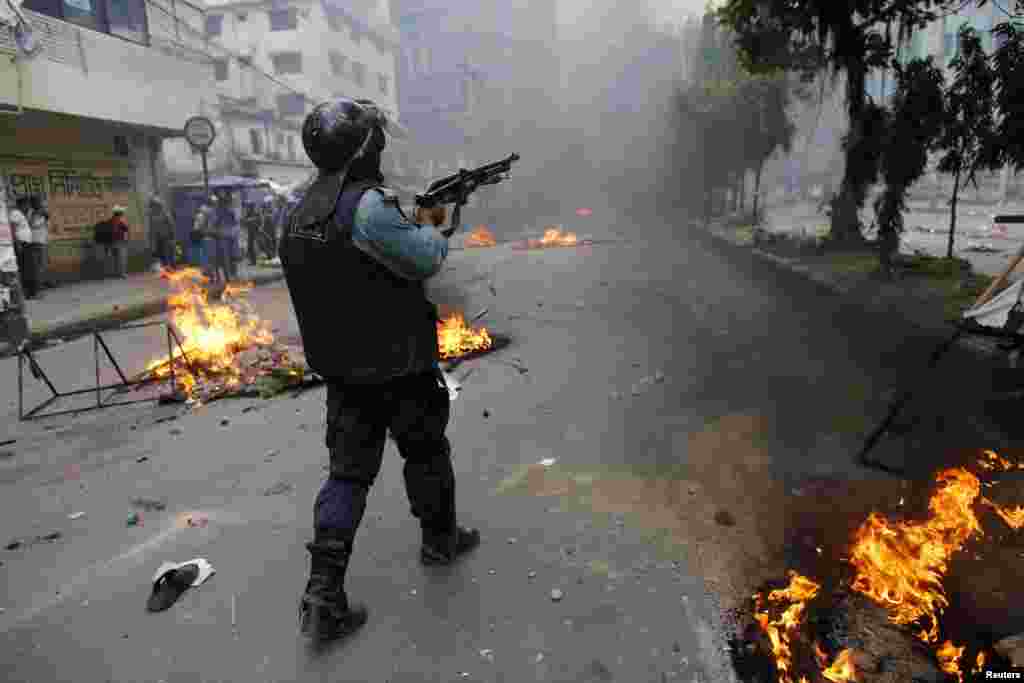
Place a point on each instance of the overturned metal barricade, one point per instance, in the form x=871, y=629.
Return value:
x=26, y=357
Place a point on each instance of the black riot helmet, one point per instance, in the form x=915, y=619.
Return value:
x=337, y=133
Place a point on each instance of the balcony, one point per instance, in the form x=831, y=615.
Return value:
x=83, y=72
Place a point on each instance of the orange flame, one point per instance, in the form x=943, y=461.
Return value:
x=211, y=333
x=553, y=237
x=480, y=237
x=900, y=565
x=455, y=338
x=780, y=631
x=979, y=663
x=993, y=461
x=949, y=659
x=841, y=669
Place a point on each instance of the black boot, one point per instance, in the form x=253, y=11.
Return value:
x=444, y=549
x=324, y=613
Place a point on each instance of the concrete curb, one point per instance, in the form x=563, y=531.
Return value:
x=979, y=346
x=107, y=320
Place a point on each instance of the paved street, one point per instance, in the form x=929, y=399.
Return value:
x=683, y=392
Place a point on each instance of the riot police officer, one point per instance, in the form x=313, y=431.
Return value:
x=350, y=253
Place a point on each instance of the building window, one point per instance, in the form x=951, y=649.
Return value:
x=291, y=105
x=333, y=23
x=468, y=95
x=122, y=18
x=280, y=139
x=287, y=62
x=338, y=63
x=127, y=19
x=283, y=20
x=242, y=16
x=256, y=140
x=291, y=147
x=220, y=69
x=421, y=60
x=382, y=82
x=214, y=25
x=359, y=73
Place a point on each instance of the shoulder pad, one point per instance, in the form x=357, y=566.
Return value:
x=387, y=193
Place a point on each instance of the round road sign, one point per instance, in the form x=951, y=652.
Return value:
x=199, y=132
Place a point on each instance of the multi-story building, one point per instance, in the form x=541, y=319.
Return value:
x=274, y=61
x=478, y=81
x=81, y=122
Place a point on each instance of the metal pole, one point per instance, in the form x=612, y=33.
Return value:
x=96, y=355
x=170, y=358
x=21, y=385
x=206, y=174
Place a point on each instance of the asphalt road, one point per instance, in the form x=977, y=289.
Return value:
x=682, y=391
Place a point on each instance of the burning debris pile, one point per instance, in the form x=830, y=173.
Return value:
x=480, y=237
x=883, y=622
x=554, y=236
x=225, y=349
x=456, y=339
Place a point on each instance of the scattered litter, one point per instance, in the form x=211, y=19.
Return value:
x=149, y=504
x=169, y=418
x=487, y=413
x=479, y=315
x=637, y=389
x=248, y=409
x=725, y=518
x=134, y=519
x=225, y=422
x=13, y=545
x=616, y=396
x=142, y=458
x=532, y=575
x=492, y=572
x=581, y=304
x=547, y=462
x=76, y=515
x=173, y=579
x=197, y=521
x=556, y=595
x=133, y=427
x=659, y=377
x=271, y=454
x=8, y=442
x=512, y=540
x=234, y=615
x=175, y=431
x=278, y=488
x=487, y=654
x=983, y=248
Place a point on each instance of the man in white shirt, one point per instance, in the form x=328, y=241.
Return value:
x=14, y=327
x=18, y=217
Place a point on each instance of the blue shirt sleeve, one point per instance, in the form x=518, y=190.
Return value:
x=410, y=251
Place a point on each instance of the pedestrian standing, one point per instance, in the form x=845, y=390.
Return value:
x=350, y=236
x=228, y=230
x=14, y=326
x=117, y=249
x=198, y=254
x=23, y=247
x=161, y=231
x=253, y=225
x=39, y=222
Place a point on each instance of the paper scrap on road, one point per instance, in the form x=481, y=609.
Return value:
x=547, y=462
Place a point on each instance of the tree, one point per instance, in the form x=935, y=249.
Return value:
x=847, y=38
x=912, y=128
x=969, y=128
x=768, y=127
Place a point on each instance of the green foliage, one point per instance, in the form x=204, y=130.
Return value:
x=1007, y=145
x=970, y=123
x=914, y=126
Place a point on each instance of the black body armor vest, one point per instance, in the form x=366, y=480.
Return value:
x=360, y=322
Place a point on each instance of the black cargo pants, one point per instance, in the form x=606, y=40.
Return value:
x=415, y=410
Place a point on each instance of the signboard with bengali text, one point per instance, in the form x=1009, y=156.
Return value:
x=78, y=195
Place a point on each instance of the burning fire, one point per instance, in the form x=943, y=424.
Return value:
x=841, y=669
x=211, y=333
x=899, y=565
x=780, y=631
x=553, y=237
x=455, y=338
x=480, y=237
